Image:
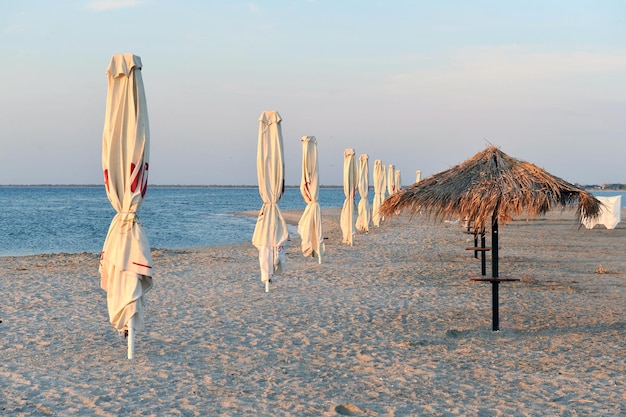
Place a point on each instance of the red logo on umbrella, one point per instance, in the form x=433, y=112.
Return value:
x=139, y=178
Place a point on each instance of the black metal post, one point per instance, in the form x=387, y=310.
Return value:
x=494, y=305
x=483, y=262
x=494, y=246
x=494, y=273
x=476, y=245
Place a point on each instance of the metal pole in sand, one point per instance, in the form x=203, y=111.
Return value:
x=494, y=274
x=131, y=337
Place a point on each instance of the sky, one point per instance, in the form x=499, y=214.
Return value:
x=423, y=85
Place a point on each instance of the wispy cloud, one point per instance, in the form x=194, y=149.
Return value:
x=516, y=62
x=506, y=68
x=253, y=8
x=104, y=5
x=16, y=28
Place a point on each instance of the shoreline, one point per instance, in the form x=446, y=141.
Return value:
x=291, y=218
x=66, y=241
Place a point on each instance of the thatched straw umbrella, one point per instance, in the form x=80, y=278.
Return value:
x=488, y=189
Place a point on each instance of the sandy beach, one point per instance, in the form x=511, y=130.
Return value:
x=391, y=326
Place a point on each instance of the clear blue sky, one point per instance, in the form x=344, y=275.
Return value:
x=418, y=84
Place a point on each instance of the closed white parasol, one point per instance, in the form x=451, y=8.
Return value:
x=310, y=224
x=126, y=262
x=350, y=178
x=398, y=180
x=270, y=232
x=391, y=180
x=379, y=191
x=363, y=219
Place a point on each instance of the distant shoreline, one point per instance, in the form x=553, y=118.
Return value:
x=584, y=187
x=150, y=186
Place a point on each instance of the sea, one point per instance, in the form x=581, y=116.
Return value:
x=75, y=219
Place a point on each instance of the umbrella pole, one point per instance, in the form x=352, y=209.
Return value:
x=494, y=274
x=476, y=245
x=483, y=262
x=494, y=301
x=131, y=337
x=267, y=286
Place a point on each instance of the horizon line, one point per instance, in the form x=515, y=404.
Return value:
x=162, y=185
x=600, y=187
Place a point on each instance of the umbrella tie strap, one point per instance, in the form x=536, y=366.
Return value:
x=130, y=218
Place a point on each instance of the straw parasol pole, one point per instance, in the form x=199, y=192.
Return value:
x=489, y=189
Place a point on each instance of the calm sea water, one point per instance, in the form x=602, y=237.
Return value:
x=35, y=220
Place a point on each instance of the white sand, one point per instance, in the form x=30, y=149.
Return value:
x=389, y=327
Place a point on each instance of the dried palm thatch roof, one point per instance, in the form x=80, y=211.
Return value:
x=491, y=182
